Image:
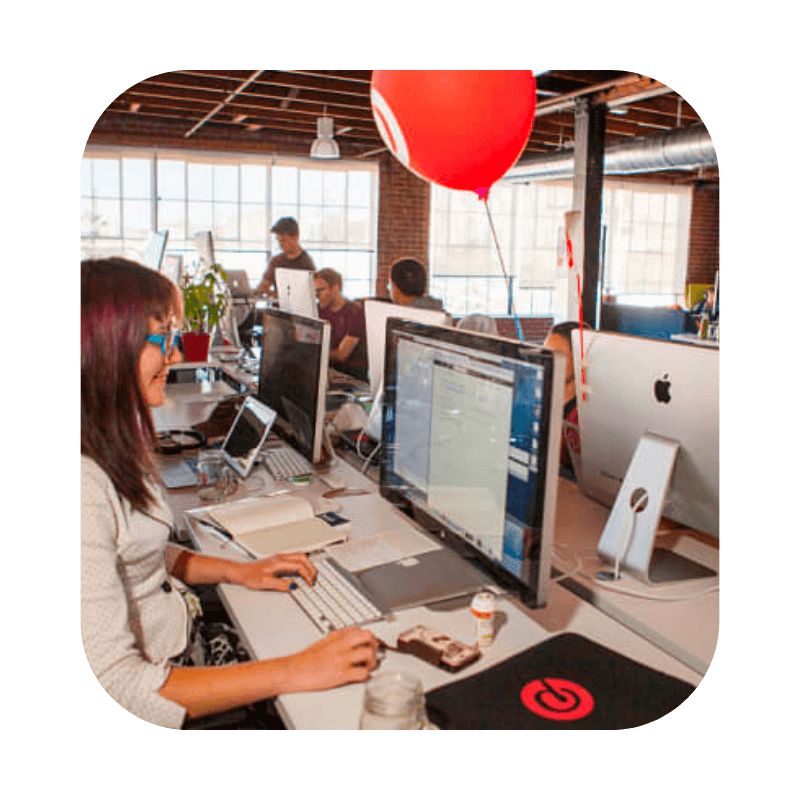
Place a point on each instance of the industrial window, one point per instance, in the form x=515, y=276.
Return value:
x=126, y=193
x=643, y=249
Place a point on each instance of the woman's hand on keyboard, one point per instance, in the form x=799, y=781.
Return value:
x=344, y=656
x=265, y=574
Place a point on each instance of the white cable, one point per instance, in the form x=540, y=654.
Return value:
x=641, y=503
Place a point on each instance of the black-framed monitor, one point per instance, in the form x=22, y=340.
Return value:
x=154, y=249
x=293, y=377
x=471, y=433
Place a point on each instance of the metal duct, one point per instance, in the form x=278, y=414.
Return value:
x=685, y=148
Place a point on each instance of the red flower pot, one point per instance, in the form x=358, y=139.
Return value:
x=196, y=346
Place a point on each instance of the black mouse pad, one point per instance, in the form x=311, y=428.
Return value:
x=567, y=682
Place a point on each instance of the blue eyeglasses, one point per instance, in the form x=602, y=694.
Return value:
x=168, y=342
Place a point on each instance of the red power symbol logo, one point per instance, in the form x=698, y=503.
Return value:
x=557, y=699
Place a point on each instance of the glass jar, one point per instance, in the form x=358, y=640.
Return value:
x=394, y=701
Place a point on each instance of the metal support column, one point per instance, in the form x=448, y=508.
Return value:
x=587, y=196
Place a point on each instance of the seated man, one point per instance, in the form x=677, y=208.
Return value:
x=348, y=328
x=409, y=283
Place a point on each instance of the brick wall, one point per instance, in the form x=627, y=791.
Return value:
x=403, y=218
x=703, y=257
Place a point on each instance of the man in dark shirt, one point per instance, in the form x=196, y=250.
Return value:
x=348, y=328
x=292, y=256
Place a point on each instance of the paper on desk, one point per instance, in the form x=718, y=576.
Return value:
x=384, y=548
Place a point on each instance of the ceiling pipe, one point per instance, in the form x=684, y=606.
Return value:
x=686, y=148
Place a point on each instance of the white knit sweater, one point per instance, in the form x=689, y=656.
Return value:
x=133, y=618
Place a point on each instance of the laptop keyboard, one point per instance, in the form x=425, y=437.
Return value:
x=335, y=601
x=283, y=463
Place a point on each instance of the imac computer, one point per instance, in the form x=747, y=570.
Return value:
x=649, y=445
x=376, y=313
x=154, y=249
x=204, y=248
x=296, y=291
x=172, y=267
x=472, y=435
x=293, y=377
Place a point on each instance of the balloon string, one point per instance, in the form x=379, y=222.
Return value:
x=571, y=264
x=503, y=267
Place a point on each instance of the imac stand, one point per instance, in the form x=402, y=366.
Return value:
x=630, y=531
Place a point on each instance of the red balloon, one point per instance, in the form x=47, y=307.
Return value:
x=462, y=129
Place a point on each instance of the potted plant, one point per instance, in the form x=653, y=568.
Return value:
x=204, y=303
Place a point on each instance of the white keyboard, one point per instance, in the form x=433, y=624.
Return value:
x=283, y=463
x=335, y=600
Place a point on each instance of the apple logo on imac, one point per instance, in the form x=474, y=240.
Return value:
x=661, y=389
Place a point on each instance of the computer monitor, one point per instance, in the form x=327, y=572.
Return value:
x=172, y=267
x=471, y=433
x=247, y=435
x=649, y=445
x=375, y=315
x=296, y=291
x=293, y=377
x=204, y=247
x=154, y=249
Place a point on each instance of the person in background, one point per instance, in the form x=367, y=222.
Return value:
x=705, y=305
x=140, y=625
x=560, y=339
x=478, y=322
x=348, y=327
x=409, y=285
x=292, y=256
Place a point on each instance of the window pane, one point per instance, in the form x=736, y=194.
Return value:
x=107, y=217
x=254, y=221
x=200, y=218
x=358, y=225
x=334, y=188
x=284, y=185
x=310, y=187
x=137, y=177
x=172, y=216
x=171, y=177
x=226, y=220
x=105, y=177
x=359, y=189
x=226, y=183
x=254, y=183
x=201, y=182
x=310, y=223
x=86, y=176
x=137, y=218
x=87, y=217
x=334, y=225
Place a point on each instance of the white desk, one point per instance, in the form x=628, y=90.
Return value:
x=686, y=629
x=693, y=338
x=273, y=625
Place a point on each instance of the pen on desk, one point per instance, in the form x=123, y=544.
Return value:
x=220, y=530
x=226, y=535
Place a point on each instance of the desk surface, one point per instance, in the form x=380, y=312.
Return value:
x=273, y=625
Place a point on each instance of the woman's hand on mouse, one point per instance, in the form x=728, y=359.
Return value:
x=270, y=573
x=344, y=656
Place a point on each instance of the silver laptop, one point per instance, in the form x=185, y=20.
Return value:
x=239, y=450
x=427, y=578
x=239, y=283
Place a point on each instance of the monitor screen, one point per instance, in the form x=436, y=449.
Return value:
x=293, y=376
x=204, y=246
x=471, y=433
x=247, y=434
x=154, y=249
x=634, y=386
